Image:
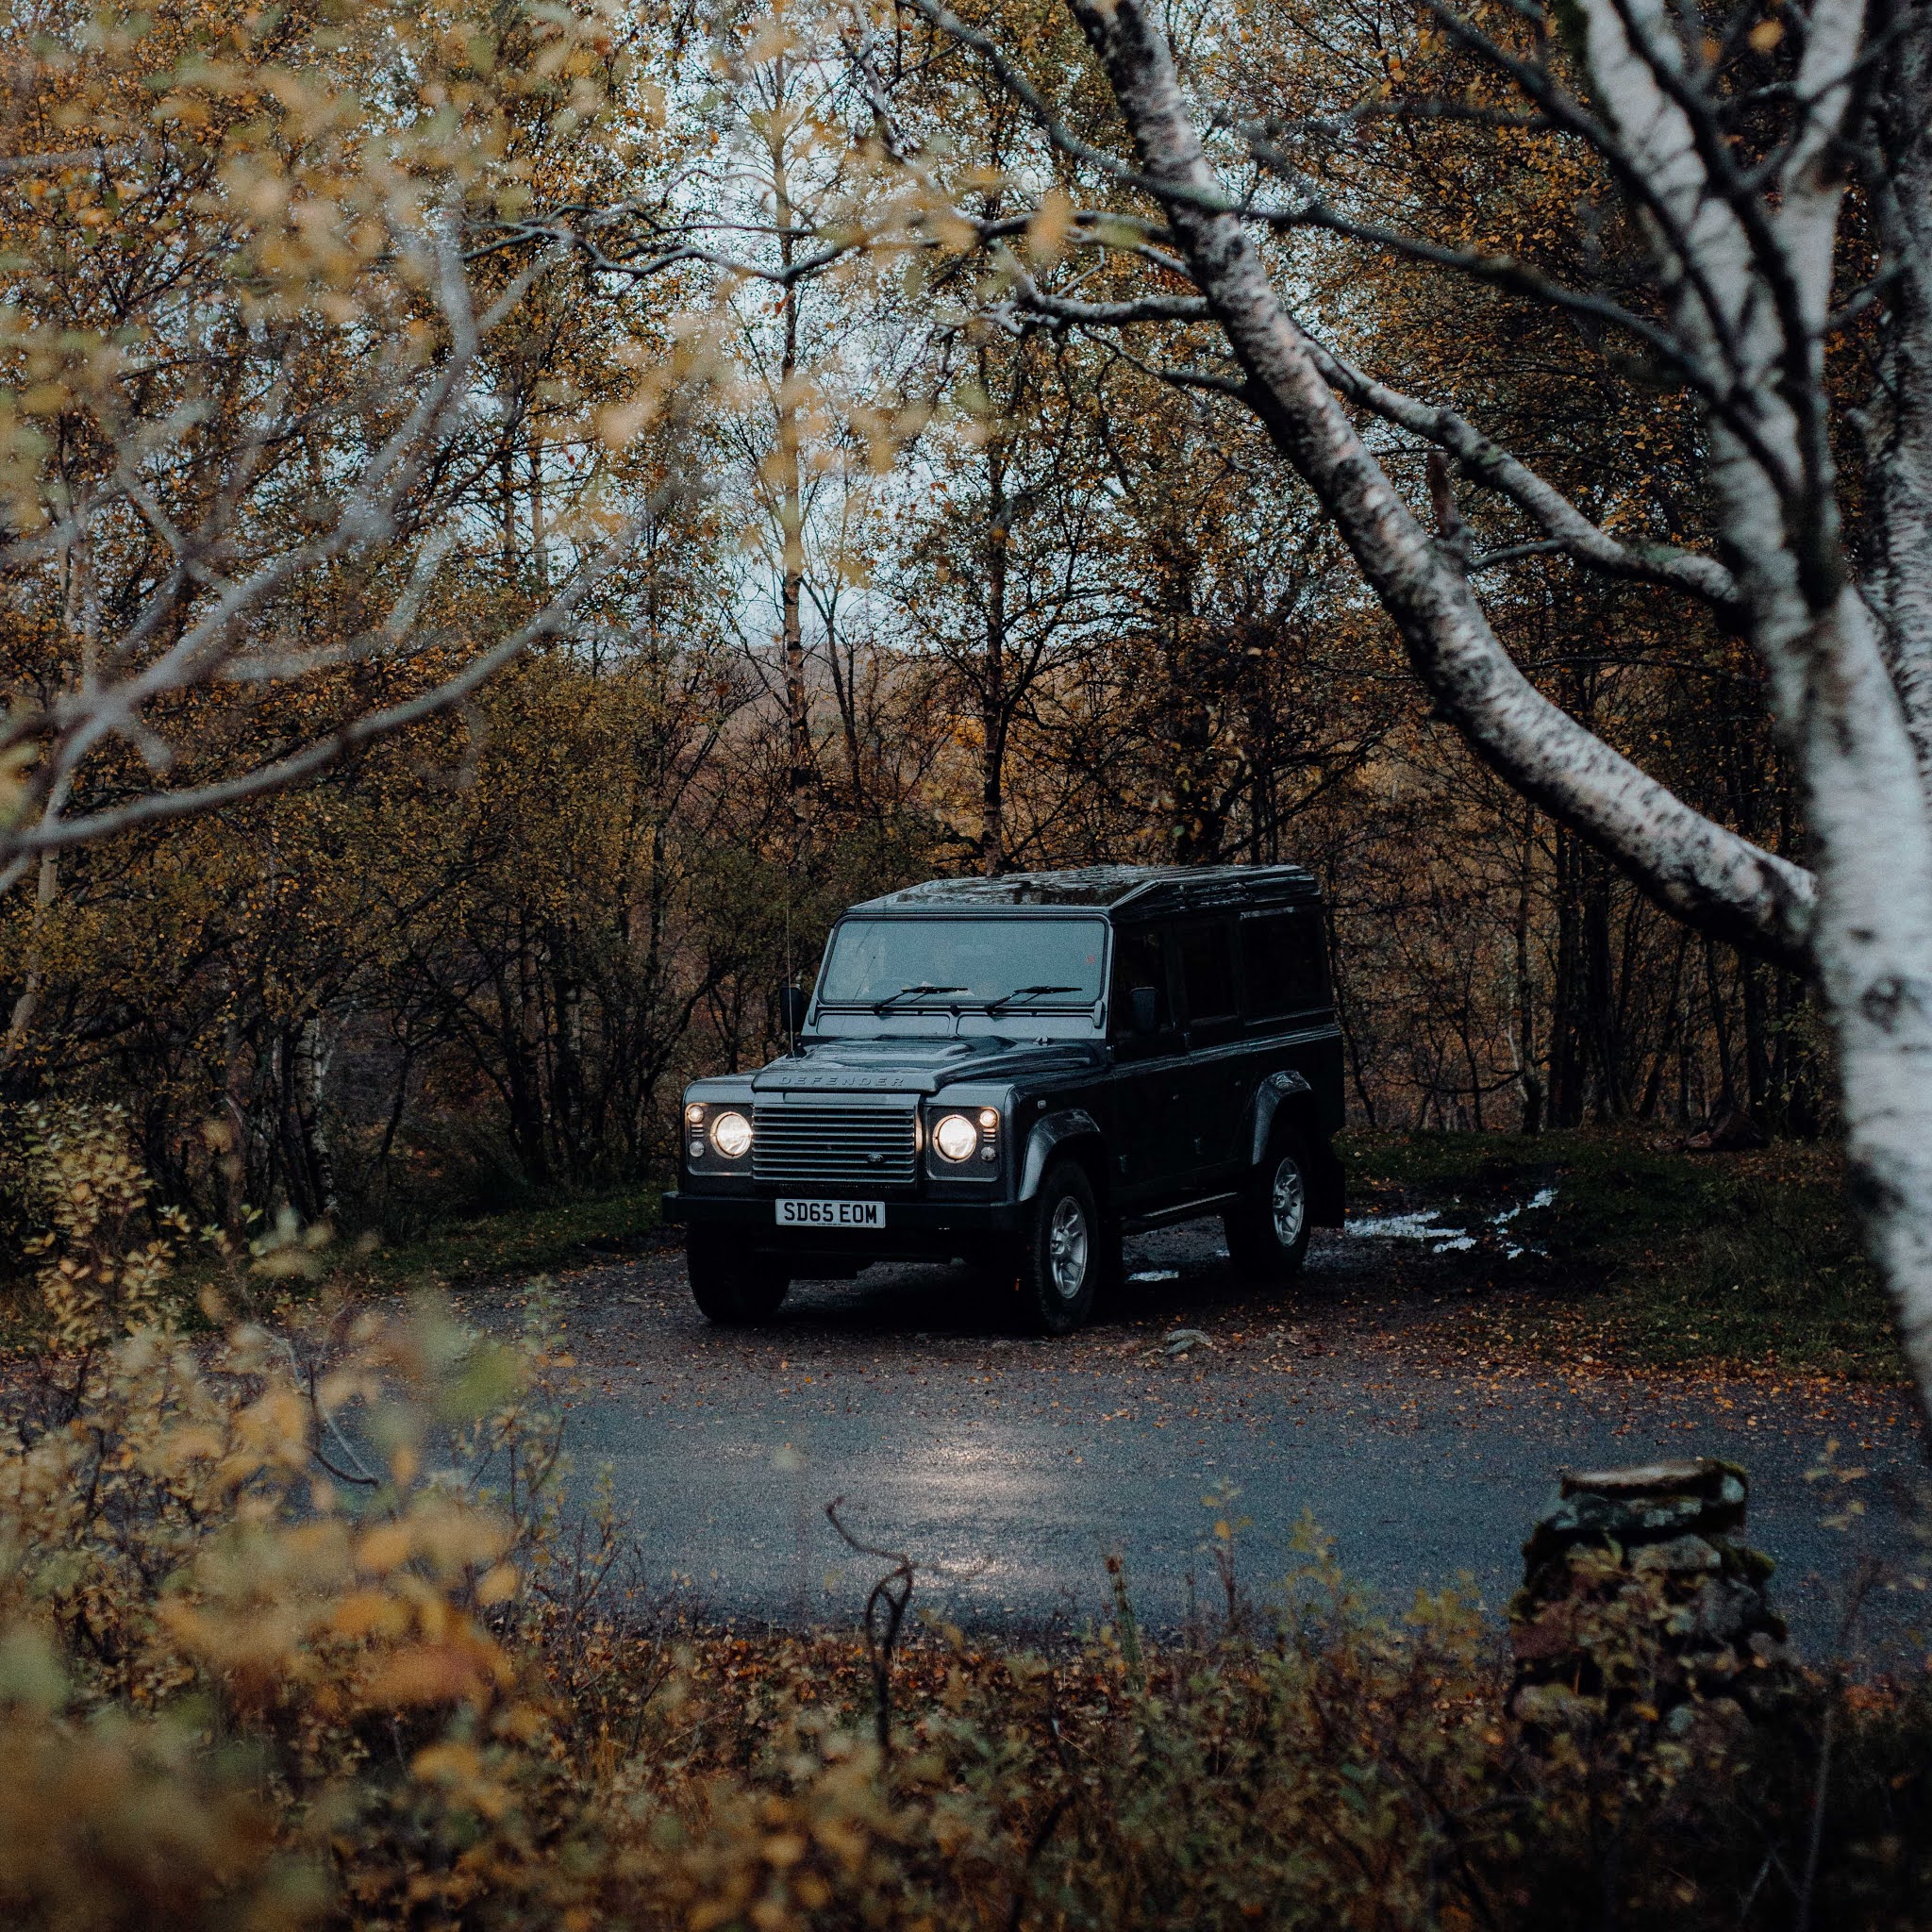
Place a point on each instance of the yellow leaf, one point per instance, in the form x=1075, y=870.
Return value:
x=383, y=1548
x=1046, y=233
x=497, y=1585
x=367, y=1613
x=446, y=1763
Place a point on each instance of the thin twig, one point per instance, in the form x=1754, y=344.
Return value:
x=887, y=1601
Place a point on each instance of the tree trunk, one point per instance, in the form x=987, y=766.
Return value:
x=1604, y=1044
x=19, y=1025
x=1567, y=1057
x=995, y=708
x=1872, y=939
x=1692, y=867
x=539, y=545
x=1528, y=1077
x=788, y=467
x=1900, y=437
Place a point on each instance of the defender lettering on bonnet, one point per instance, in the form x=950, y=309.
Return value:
x=1017, y=1071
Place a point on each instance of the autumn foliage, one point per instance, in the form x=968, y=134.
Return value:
x=300, y=1626
x=597, y=452
x=801, y=575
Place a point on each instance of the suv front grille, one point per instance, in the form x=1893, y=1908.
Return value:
x=849, y=1145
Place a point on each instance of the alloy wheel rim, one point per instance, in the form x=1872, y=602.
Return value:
x=1067, y=1249
x=1288, y=1204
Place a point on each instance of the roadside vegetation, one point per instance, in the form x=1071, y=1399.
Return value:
x=301, y=1627
x=454, y=1251
x=1646, y=1254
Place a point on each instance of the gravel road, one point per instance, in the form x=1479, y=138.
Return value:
x=1009, y=1470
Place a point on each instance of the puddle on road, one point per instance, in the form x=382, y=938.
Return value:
x=1428, y=1226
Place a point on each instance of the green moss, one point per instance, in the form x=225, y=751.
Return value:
x=1673, y=1259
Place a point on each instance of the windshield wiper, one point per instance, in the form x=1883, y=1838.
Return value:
x=1025, y=992
x=906, y=992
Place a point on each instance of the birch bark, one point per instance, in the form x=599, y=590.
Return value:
x=1692, y=867
x=1832, y=694
x=1749, y=284
x=1899, y=430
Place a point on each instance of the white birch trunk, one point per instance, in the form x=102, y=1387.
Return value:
x=1868, y=932
x=1899, y=438
x=1872, y=939
x=1832, y=696
x=1694, y=868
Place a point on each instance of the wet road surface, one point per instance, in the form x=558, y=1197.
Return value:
x=1009, y=1469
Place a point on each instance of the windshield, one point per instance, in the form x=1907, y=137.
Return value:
x=907, y=963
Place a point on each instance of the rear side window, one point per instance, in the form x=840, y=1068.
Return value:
x=1138, y=960
x=1206, y=954
x=1283, y=962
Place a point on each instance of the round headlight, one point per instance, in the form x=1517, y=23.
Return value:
x=731, y=1135
x=956, y=1136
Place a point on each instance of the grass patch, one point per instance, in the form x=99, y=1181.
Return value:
x=1670, y=1260
x=514, y=1245
x=519, y=1243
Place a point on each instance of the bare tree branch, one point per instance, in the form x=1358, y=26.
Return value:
x=1695, y=868
x=1568, y=530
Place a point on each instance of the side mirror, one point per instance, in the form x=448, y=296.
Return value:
x=1146, y=1012
x=793, y=1004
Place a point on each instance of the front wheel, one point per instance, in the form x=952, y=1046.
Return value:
x=1268, y=1234
x=1060, y=1260
x=732, y=1286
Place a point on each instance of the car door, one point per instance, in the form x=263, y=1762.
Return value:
x=1151, y=1131
x=1217, y=1079
x=1289, y=1001
x=1283, y=964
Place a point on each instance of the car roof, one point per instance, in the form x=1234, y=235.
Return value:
x=1142, y=890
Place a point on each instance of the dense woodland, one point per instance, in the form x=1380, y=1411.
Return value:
x=905, y=588
x=513, y=512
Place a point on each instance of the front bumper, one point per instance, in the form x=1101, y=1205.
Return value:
x=914, y=1230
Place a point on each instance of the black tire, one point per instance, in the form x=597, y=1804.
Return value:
x=1268, y=1234
x=731, y=1285
x=1063, y=1252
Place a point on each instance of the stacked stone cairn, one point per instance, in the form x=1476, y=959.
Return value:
x=1643, y=1606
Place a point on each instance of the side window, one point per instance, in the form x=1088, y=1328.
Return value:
x=1206, y=956
x=1283, y=963
x=1138, y=960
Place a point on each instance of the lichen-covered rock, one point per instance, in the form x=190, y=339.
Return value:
x=1643, y=1606
x=1682, y=1555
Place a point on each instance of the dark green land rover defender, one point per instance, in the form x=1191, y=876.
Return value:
x=1016, y=1072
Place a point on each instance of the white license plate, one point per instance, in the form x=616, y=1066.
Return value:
x=831, y=1214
